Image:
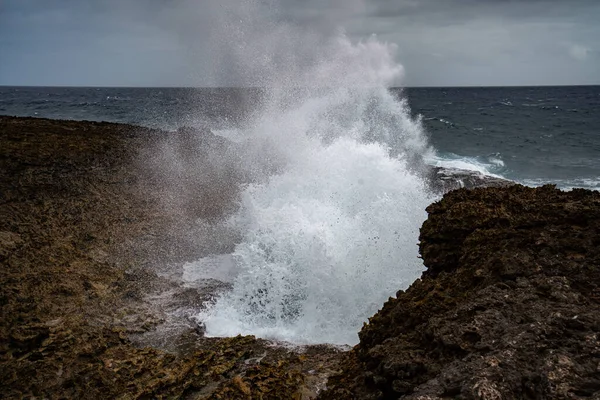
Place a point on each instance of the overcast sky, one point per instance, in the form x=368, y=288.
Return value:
x=198, y=42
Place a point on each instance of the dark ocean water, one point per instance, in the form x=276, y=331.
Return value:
x=533, y=135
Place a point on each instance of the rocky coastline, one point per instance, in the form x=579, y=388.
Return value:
x=508, y=306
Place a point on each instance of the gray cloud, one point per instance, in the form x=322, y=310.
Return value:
x=231, y=42
x=468, y=42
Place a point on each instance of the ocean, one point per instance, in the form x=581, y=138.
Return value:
x=532, y=135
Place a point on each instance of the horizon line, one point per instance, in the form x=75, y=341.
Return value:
x=264, y=87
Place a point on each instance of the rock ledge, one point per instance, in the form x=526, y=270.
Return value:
x=509, y=306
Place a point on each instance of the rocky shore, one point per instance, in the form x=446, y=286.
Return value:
x=93, y=216
x=86, y=227
x=509, y=307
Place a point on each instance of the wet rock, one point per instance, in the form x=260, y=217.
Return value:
x=509, y=306
x=442, y=180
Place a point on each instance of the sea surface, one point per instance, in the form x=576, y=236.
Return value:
x=533, y=135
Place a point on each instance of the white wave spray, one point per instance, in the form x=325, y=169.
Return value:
x=333, y=232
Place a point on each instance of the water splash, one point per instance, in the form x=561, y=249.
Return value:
x=333, y=232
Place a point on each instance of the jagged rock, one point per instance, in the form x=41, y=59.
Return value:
x=509, y=306
x=442, y=180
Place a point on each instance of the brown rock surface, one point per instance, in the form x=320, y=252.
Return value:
x=88, y=212
x=509, y=307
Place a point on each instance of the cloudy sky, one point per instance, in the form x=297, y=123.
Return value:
x=210, y=43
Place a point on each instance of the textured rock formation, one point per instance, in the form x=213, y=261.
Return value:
x=86, y=217
x=508, y=308
x=443, y=180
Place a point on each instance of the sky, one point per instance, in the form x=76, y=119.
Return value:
x=225, y=43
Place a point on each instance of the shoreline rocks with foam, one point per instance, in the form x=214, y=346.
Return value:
x=443, y=180
x=90, y=220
